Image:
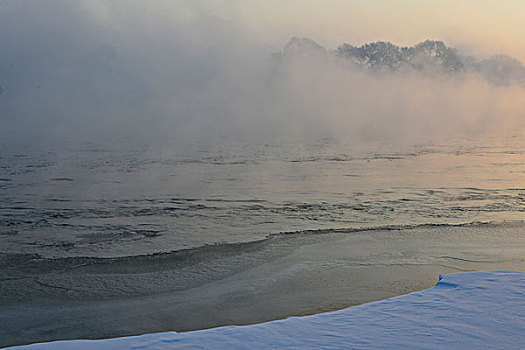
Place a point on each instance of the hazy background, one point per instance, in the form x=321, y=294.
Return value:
x=179, y=70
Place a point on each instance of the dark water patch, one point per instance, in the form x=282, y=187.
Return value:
x=106, y=235
x=20, y=208
x=58, y=179
x=177, y=199
x=44, y=244
x=148, y=233
x=236, y=200
x=107, y=181
x=314, y=159
x=215, y=161
x=385, y=156
x=9, y=233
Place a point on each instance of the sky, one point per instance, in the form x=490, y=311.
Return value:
x=486, y=26
x=82, y=69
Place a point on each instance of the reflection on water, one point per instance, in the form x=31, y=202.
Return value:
x=103, y=200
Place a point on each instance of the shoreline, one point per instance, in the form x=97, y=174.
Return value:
x=287, y=275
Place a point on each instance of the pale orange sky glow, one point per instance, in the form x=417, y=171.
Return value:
x=478, y=27
x=475, y=27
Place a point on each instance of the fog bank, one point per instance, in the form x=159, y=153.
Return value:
x=178, y=71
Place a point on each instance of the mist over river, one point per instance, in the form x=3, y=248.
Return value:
x=94, y=199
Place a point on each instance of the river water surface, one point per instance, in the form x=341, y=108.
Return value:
x=108, y=200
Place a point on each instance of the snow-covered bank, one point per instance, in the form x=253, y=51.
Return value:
x=464, y=310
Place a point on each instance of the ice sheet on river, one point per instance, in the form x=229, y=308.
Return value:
x=464, y=310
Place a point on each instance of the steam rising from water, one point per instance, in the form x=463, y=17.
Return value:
x=178, y=71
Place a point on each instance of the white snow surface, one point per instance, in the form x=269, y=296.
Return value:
x=473, y=310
